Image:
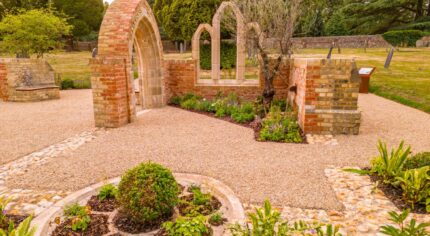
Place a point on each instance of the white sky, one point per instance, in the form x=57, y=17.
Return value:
x=109, y=1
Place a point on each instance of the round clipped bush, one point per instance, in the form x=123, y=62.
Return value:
x=148, y=193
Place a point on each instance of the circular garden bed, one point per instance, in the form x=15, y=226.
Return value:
x=122, y=206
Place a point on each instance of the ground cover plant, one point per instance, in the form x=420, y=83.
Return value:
x=14, y=225
x=278, y=124
x=405, y=179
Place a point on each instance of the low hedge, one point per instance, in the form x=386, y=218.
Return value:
x=403, y=38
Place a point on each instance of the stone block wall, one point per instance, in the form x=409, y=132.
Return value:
x=13, y=86
x=354, y=41
x=181, y=77
x=326, y=96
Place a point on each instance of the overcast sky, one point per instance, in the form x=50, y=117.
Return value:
x=109, y=1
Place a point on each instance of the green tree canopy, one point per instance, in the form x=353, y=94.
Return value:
x=180, y=18
x=378, y=16
x=85, y=15
x=32, y=32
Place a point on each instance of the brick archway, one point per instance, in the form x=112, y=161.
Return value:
x=127, y=23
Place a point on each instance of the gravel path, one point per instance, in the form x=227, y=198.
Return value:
x=287, y=174
x=29, y=127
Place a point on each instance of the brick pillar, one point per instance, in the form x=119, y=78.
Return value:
x=111, y=92
x=3, y=82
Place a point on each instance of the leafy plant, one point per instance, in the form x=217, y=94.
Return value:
x=80, y=223
x=175, y=100
x=148, y=193
x=23, y=229
x=195, y=226
x=205, y=105
x=403, y=229
x=415, y=184
x=33, y=32
x=389, y=166
x=417, y=161
x=280, y=128
x=200, y=198
x=216, y=219
x=76, y=210
x=79, y=216
x=3, y=204
x=108, y=192
x=266, y=221
x=190, y=104
x=198, y=203
x=245, y=113
x=67, y=84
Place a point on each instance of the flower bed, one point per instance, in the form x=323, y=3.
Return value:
x=403, y=178
x=277, y=123
x=198, y=203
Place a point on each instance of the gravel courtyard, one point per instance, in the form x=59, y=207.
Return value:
x=287, y=174
x=28, y=127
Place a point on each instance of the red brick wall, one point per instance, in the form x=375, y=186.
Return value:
x=327, y=96
x=180, y=77
x=3, y=82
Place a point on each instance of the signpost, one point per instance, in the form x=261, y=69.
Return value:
x=365, y=74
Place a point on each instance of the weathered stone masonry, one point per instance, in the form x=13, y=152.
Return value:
x=326, y=96
x=181, y=78
x=40, y=85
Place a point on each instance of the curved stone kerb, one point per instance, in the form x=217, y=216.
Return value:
x=227, y=197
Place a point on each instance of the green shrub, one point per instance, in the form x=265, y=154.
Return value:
x=403, y=38
x=403, y=229
x=282, y=103
x=67, y=84
x=417, y=161
x=280, y=127
x=108, y=192
x=75, y=210
x=82, y=84
x=225, y=106
x=148, y=193
x=228, y=56
x=195, y=226
x=415, y=184
x=175, y=100
x=190, y=104
x=245, y=113
x=216, y=219
x=389, y=166
x=206, y=106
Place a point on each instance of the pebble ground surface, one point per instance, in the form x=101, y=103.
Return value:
x=290, y=175
x=29, y=127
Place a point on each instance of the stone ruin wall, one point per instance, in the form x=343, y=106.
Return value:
x=181, y=78
x=13, y=87
x=326, y=94
x=355, y=41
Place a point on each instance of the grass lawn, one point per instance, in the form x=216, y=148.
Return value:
x=73, y=66
x=406, y=81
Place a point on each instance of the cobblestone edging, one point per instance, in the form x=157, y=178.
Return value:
x=231, y=205
x=31, y=201
x=365, y=207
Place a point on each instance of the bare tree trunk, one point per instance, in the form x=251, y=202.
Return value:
x=420, y=9
x=428, y=8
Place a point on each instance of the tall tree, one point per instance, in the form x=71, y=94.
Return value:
x=180, y=18
x=276, y=20
x=85, y=15
x=378, y=16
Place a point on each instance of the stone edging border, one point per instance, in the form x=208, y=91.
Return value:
x=217, y=188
